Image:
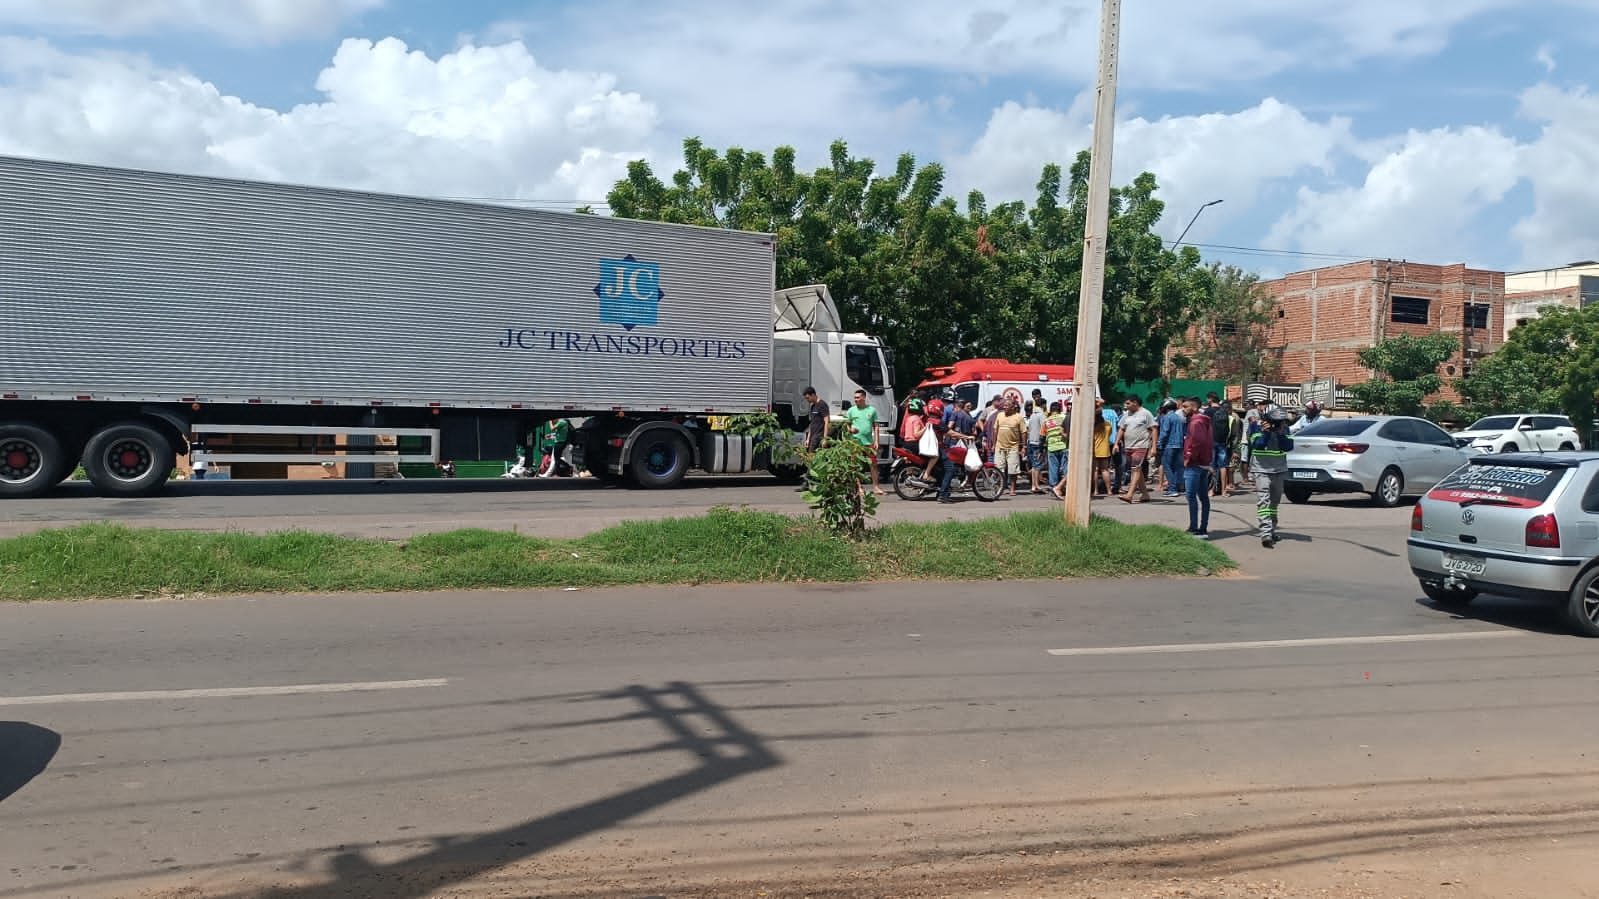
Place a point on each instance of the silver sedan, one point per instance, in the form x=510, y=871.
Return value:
x=1523, y=525
x=1387, y=456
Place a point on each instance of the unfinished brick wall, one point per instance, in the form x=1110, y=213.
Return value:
x=1326, y=316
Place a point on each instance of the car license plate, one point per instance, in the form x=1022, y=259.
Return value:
x=1464, y=564
x=1305, y=475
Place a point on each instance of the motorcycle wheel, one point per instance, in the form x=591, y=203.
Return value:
x=906, y=486
x=988, y=484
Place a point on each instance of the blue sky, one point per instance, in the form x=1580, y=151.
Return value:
x=1459, y=131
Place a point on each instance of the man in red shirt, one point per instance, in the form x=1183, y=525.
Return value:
x=1199, y=449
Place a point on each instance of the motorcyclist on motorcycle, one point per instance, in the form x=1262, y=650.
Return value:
x=938, y=420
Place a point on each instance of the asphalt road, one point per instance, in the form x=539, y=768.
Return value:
x=556, y=508
x=547, y=508
x=842, y=740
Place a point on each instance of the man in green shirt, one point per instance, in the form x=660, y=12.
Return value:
x=553, y=438
x=862, y=420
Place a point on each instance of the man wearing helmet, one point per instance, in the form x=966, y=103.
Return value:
x=1311, y=416
x=1268, y=463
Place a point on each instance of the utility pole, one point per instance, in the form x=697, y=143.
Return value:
x=1080, y=462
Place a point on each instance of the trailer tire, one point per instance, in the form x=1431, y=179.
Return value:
x=660, y=459
x=31, y=461
x=129, y=459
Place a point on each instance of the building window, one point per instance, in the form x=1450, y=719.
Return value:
x=1409, y=311
x=1476, y=315
x=1226, y=329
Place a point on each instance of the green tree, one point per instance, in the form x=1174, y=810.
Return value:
x=938, y=282
x=1509, y=382
x=1229, y=340
x=1550, y=362
x=1407, y=373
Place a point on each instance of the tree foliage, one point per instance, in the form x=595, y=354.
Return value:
x=1550, y=362
x=1407, y=373
x=938, y=281
x=1228, y=341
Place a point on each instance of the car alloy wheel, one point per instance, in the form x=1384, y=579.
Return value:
x=1390, y=487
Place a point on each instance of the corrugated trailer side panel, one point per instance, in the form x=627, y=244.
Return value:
x=135, y=285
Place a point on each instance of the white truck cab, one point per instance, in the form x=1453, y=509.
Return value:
x=811, y=349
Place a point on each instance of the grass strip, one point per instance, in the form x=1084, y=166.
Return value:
x=723, y=546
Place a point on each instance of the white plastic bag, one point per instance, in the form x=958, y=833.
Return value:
x=974, y=459
x=928, y=445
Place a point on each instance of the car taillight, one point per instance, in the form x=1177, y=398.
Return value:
x=1354, y=449
x=1415, y=518
x=1544, y=531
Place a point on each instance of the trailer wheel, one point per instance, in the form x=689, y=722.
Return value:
x=31, y=460
x=129, y=459
x=660, y=459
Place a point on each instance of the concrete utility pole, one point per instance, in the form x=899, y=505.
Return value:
x=1080, y=462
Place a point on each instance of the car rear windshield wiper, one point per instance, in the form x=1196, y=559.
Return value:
x=1488, y=501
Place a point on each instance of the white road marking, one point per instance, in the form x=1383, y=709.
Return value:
x=224, y=692
x=1278, y=644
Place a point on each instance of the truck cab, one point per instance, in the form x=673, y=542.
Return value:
x=811, y=349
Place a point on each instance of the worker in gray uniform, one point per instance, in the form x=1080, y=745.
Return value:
x=1268, y=462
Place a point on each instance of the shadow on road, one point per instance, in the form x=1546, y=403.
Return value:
x=25, y=751
x=1524, y=615
x=724, y=751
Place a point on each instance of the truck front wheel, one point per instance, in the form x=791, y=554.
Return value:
x=31, y=460
x=659, y=459
x=128, y=459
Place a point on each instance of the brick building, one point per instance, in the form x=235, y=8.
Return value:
x=1324, y=317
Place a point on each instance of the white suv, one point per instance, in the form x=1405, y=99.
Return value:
x=1520, y=433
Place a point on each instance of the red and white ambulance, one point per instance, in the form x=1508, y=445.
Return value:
x=980, y=380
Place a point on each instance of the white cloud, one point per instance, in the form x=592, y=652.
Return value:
x=490, y=119
x=482, y=121
x=1418, y=201
x=245, y=20
x=1196, y=159
x=795, y=49
x=1546, y=58
x=1561, y=162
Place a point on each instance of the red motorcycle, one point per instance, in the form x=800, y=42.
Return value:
x=986, y=483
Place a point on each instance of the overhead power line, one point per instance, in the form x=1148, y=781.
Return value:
x=1230, y=248
x=1266, y=251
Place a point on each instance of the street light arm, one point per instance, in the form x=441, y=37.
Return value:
x=1197, y=213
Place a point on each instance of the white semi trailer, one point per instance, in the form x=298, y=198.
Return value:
x=142, y=311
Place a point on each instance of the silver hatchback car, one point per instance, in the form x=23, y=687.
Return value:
x=1513, y=524
x=1387, y=456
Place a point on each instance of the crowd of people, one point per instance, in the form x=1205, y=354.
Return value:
x=1188, y=447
